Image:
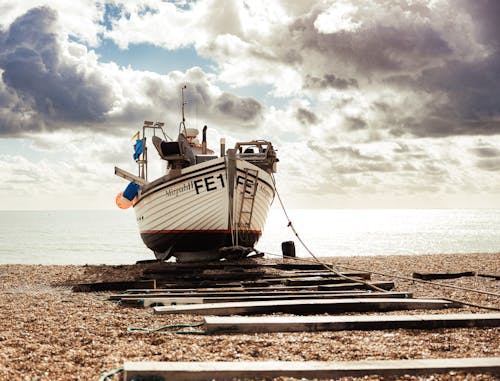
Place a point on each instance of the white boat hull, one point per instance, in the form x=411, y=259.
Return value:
x=196, y=212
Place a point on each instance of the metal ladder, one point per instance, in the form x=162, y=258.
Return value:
x=247, y=199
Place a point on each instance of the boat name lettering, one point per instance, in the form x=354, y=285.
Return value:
x=175, y=192
x=248, y=185
x=210, y=183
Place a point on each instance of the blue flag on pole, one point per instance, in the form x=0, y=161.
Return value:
x=138, y=148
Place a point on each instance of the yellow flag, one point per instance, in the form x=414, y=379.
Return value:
x=136, y=136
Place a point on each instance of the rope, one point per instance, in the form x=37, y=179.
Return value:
x=410, y=279
x=329, y=268
x=429, y=282
x=170, y=326
x=111, y=373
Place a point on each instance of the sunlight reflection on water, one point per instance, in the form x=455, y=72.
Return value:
x=111, y=237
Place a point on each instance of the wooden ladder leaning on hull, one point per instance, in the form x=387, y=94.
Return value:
x=247, y=199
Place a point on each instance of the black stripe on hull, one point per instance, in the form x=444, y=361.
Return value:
x=161, y=242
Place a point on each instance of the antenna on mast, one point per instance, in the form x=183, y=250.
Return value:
x=183, y=123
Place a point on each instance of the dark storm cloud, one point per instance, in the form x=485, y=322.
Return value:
x=353, y=123
x=306, y=117
x=472, y=87
x=471, y=92
x=51, y=90
x=243, y=109
x=417, y=55
x=215, y=108
x=375, y=48
x=485, y=14
x=329, y=81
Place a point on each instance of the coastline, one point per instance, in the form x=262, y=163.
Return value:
x=48, y=332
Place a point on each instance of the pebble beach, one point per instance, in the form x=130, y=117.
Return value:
x=48, y=332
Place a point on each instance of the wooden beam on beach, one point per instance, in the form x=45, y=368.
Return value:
x=197, y=285
x=300, y=266
x=114, y=286
x=433, y=276
x=356, y=286
x=161, y=293
x=261, y=324
x=149, y=300
x=194, y=267
x=197, y=276
x=328, y=287
x=306, y=306
x=222, y=370
x=200, y=277
x=317, y=280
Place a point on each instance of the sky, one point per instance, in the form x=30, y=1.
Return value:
x=369, y=103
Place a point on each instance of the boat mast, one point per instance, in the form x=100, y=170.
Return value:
x=183, y=123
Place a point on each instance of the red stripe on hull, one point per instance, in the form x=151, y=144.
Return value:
x=223, y=231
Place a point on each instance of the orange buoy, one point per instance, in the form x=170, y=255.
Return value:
x=122, y=202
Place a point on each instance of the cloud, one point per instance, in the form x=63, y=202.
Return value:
x=48, y=88
x=50, y=83
x=489, y=156
x=377, y=97
x=244, y=109
x=83, y=20
x=485, y=11
x=492, y=165
x=329, y=80
x=306, y=117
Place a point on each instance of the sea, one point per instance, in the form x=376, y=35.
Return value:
x=112, y=237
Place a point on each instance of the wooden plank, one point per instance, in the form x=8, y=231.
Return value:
x=251, y=324
x=334, y=287
x=197, y=285
x=306, y=306
x=162, y=293
x=329, y=274
x=129, y=176
x=200, y=277
x=432, y=276
x=317, y=280
x=176, y=300
x=114, y=286
x=198, y=267
x=300, y=266
x=228, y=266
x=356, y=286
x=223, y=370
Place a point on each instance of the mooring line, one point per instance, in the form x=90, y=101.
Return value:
x=409, y=279
x=328, y=267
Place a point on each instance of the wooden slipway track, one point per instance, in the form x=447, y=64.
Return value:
x=245, y=296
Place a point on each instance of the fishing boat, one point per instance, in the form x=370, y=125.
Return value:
x=206, y=206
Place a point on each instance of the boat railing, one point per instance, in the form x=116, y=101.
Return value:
x=258, y=152
x=142, y=162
